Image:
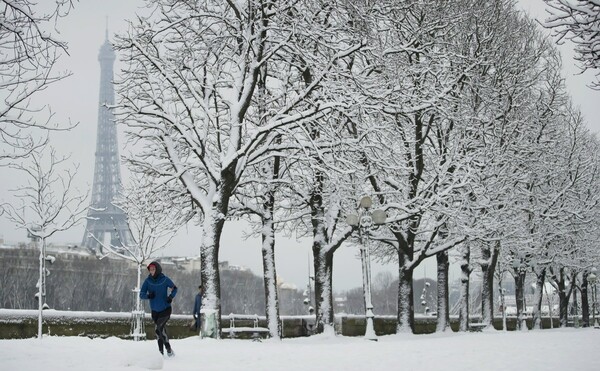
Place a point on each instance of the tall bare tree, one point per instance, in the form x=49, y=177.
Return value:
x=153, y=222
x=579, y=22
x=48, y=204
x=28, y=56
x=187, y=95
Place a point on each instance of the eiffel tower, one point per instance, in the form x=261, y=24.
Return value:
x=103, y=217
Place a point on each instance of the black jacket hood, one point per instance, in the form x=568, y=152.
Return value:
x=158, y=268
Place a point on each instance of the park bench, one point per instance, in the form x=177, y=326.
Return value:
x=245, y=326
x=476, y=326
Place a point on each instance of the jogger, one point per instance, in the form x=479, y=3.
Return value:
x=155, y=288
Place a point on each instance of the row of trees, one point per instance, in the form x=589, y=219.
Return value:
x=452, y=114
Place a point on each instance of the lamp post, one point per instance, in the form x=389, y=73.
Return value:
x=592, y=278
x=366, y=221
x=308, y=291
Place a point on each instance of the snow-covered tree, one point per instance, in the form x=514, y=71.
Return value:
x=48, y=203
x=499, y=106
x=188, y=94
x=153, y=222
x=314, y=197
x=464, y=260
x=579, y=22
x=28, y=54
x=412, y=85
x=256, y=198
x=574, y=212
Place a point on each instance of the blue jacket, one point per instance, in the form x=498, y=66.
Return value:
x=197, y=305
x=159, y=285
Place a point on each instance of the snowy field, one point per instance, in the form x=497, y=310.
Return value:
x=560, y=349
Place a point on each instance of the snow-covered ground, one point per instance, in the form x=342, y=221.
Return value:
x=559, y=349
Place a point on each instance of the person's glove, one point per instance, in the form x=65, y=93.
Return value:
x=195, y=316
x=169, y=299
x=151, y=295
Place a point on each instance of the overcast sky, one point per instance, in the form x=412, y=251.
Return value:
x=76, y=99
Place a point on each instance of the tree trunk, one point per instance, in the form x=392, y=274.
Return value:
x=209, y=265
x=465, y=272
x=323, y=284
x=537, y=300
x=270, y=274
x=323, y=263
x=406, y=314
x=585, y=305
x=563, y=305
x=443, y=311
x=520, y=299
x=575, y=311
x=41, y=243
x=563, y=300
x=502, y=303
x=490, y=257
x=268, y=233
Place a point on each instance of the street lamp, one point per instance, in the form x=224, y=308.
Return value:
x=592, y=278
x=366, y=221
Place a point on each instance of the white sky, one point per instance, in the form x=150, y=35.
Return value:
x=76, y=99
x=548, y=350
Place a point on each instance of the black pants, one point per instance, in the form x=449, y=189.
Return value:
x=197, y=324
x=160, y=320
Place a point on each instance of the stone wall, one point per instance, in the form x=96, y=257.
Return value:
x=20, y=324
